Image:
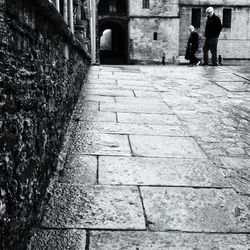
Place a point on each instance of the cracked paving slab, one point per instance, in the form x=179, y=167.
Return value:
x=196, y=210
x=94, y=207
x=104, y=240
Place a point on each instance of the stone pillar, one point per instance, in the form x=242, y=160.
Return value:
x=65, y=11
x=65, y=18
x=93, y=29
x=71, y=16
x=58, y=5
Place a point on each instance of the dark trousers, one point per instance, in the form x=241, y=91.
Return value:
x=210, y=44
x=193, y=58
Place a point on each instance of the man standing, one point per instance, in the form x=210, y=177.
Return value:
x=212, y=32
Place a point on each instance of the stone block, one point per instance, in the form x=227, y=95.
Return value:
x=164, y=146
x=196, y=210
x=94, y=207
x=58, y=240
x=106, y=240
x=159, y=171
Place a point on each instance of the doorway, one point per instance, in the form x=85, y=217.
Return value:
x=112, y=41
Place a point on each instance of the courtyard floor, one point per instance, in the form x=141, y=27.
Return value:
x=156, y=158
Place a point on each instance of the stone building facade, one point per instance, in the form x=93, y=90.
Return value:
x=148, y=28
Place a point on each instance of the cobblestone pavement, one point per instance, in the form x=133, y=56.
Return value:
x=157, y=158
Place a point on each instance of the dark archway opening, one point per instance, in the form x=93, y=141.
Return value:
x=113, y=43
x=113, y=32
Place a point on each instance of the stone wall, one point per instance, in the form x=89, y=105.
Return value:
x=162, y=18
x=234, y=42
x=143, y=47
x=164, y=8
x=38, y=90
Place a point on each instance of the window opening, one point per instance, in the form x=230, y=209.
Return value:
x=155, y=36
x=145, y=4
x=227, y=18
x=112, y=6
x=196, y=17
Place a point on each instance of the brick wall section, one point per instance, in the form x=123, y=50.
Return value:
x=38, y=90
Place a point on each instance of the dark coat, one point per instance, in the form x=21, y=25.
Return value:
x=213, y=27
x=193, y=40
x=192, y=45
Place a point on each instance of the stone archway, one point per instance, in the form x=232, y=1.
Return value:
x=112, y=40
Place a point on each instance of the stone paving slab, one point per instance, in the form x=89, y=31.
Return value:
x=94, y=207
x=105, y=240
x=110, y=92
x=98, y=98
x=102, y=81
x=96, y=116
x=239, y=86
x=100, y=144
x=140, y=101
x=58, y=240
x=139, y=108
x=164, y=146
x=83, y=106
x=106, y=87
x=129, y=76
x=122, y=128
x=139, y=93
x=237, y=172
x=241, y=71
x=141, y=118
x=233, y=163
x=159, y=171
x=80, y=169
x=196, y=210
x=133, y=83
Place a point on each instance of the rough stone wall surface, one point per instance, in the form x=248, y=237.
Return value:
x=166, y=8
x=38, y=90
x=144, y=48
x=233, y=42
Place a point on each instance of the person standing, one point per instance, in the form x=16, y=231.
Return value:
x=212, y=32
x=163, y=59
x=192, y=46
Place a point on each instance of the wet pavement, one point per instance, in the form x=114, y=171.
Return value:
x=155, y=158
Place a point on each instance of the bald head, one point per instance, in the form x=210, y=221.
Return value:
x=210, y=11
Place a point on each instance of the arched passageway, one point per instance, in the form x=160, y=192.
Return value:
x=113, y=32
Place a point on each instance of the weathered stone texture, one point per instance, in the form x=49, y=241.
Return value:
x=58, y=240
x=162, y=241
x=38, y=90
x=166, y=8
x=144, y=48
